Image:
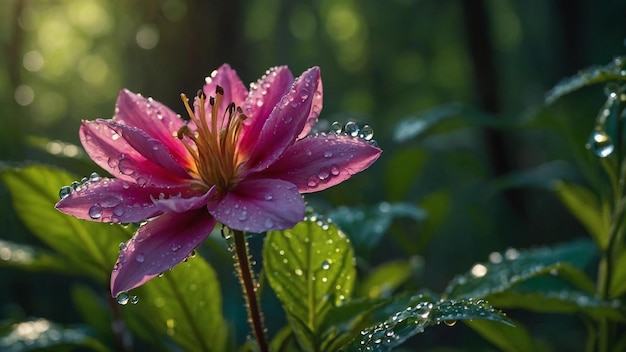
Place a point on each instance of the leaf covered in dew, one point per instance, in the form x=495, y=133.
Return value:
x=91, y=248
x=311, y=269
x=404, y=316
x=505, y=270
x=613, y=71
x=184, y=304
x=366, y=226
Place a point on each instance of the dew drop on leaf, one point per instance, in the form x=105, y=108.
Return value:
x=600, y=143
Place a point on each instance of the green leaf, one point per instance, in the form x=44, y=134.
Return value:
x=618, y=281
x=25, y=257
x=562, y=301
x=366, y=226
x=505, y=337
x=446, y=117
x=93, y=310
x=184, y=305
x=586, y=208
x=410, y=315
x=513, y=267
x=591, y=75
x=389, y=276
x=41, y=334
x=91, y=248
x=311, y=269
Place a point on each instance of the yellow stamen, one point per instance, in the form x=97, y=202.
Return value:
x=213, y=147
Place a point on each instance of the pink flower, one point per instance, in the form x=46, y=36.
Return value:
x=243, y=159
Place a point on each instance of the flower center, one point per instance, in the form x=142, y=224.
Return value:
x=213, y=145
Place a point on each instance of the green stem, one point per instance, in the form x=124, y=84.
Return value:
x=244, y=270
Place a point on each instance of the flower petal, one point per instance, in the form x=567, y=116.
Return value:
x=285, y=122
x=316, y=108
x=116, y=154
x=154, y=118
x=180, y=204
x=234, y=89
x=321, y=161
x=158, y=246
x=115, y=200
x=263, y=97
x=259, y=205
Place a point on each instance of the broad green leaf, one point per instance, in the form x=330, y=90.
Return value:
x=618, y=281
x=184, y=305
x=505, y=337
x=586, y=208
x=94, y=311
x=563, y=301
x=389, y=276
x=41, y=334
x=411, y=315
x=505, y=270
x=25, y=257
x=311, y=269
x=90, y=247
x=447, y=117
x=366, y=226
x=591, y=75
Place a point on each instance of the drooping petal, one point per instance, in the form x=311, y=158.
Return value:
x=154, y=118
x=285, y=122
x=259, y=205
x=179, y=204
x=116, y=154
x=115, y=200
x=158, y=246
x=316, y=108
x=321, y=161
x=234, y=89
x=263, y=97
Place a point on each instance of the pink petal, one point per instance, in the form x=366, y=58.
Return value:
x=264, y=95
x=180, y=204
x=318, y=162
x=316, y=108
x=285, y=123
x=116, y=154
x=259, y=205
x=234, y=89
x=154, y=118
x=152, y=149
x=158, y=246
x=115, y=200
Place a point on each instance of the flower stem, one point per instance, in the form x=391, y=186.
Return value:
x=244, y=270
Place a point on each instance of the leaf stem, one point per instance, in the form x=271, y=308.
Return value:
x=244, y=271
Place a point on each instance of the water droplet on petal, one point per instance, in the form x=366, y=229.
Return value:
x=65, y=191
x=112, y=162
x=367, y=133
x=126, y=167
x=243, y=215
x=110, y=201
x=334, y=170
x=335, y=127
x=313, y=181
x=351, y=128
x=268, y=197
x=95, y=212
x=175, y=247
x=288, y=119
x=600, y=143
x=328, y=154
x=324, y=173
x=140, y=258
x=94, y=177
x=122, y=298
x=269, y=223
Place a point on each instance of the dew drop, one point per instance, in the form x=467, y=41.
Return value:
x=269, y=223
x=269, y=197
x=112, y=162
x=449, y=322
x=95, y=212
x=600, y=143
x=122, y=298
x=288, y=119
x=313, y=181
x=325, y=265
x=126, y=167
x=134, y=300
x=140, y=258
x=367, y=132
x=74, y=185
x=351, y=128
x=110, y=201
x=328, y=154
x=243, y=215
x=175, y=247
x=324, y=173
x=299, y=272
x=122, y=246
x=94, y=177
x=335, y=127
x=65, y=191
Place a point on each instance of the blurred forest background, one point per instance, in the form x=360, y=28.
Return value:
x=488, y=63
